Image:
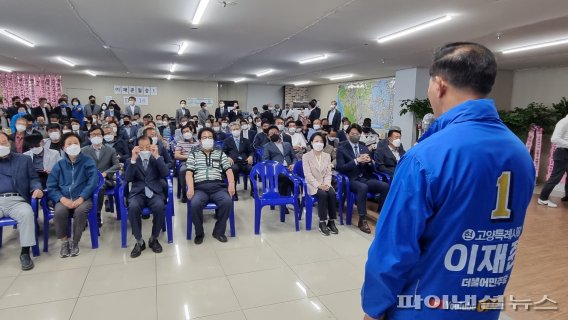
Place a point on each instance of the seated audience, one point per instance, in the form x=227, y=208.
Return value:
x=389, y=152
x=43, y=159
x=181, y=153
x=239, y=152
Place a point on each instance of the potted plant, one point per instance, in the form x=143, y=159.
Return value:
x=418, y=107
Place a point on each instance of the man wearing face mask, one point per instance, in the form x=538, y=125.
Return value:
x=43, y=159
x=146, y=172
x=203, y=114
x=152, y=133
x=334, y=116
x=41, y=109
x=219, y=135
x=22, y=131
x=389, y=151
x=76, y=128
x=111, y=139
x=28, y=106
x=92, y=108
x=205, y=183
x=282, y=152
x=182, y=111
x=54, y=138
x=369, y=137
x=131, y=109
x=107, y=163
x=113, y=109
x=246, y=131
x=267, y=114
x=19, y=183
x=239, y=152
x=40, y=126
x=261, y=138
x=279, y=122
x=315, y=111
x=129, y=131
x=183, y=148
x=222, y=111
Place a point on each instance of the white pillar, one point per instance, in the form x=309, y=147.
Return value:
x=410, y=84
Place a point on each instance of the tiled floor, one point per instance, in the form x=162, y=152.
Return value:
x=281, y=274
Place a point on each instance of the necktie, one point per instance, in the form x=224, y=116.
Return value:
x=237, y=143
x=149, y=193
x=356, y=151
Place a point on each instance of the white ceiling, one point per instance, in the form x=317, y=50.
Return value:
x=254, y=35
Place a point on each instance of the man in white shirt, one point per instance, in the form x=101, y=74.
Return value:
x=298, y=140
x=560, y=139
x=334, y=116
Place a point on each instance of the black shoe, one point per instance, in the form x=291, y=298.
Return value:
x=155, y=245
x=221, y=238
x=199, y=239
x=138, y=248
x=107, y=207
x=184, y=199
x=26, y=261
x=235, y=197
x=323, y=228
x=564, y=199
x=331, y=226
x=145, y=217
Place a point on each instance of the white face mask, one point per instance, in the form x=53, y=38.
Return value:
x=104, y=107
x=66, y=131
x=183, y=124
x=73, y=150
x=331, y=107
x=96, y=140
x=108, y=138
x=316, y=126
x=132, y=103
x=223, y=124
x=144, y=155
x=280, y=127
x=331, y=138
x=236, y=133
x=182, y=105
x=75, y=127
x=345, y=126
x=245, y=126
x=54, y=136
x=258, y=124
x=298, y=130
x=318, y=146
x=4, y=151
x=75, y=103
x=216, y=129
x=187, y=135
x=36, y=150
x=159, y=123
x=114, y=129
x=396, y=143
x=20, y=128
x=154, y=140
x=207, y=125
x=207, y=144
x=292, y=130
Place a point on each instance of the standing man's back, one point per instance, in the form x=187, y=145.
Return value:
x=451, y=223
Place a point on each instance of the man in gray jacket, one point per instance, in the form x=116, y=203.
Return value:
x=92, y=108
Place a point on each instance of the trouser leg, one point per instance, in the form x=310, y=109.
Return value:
x=80, y=219
x=135, y=205
x=198, y=202
x=156, y=204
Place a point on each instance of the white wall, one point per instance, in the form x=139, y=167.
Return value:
x=539, y=85
x=234, y=91
x=170, y=92
x=259, y=95
x=325, y=94
x=503, y=89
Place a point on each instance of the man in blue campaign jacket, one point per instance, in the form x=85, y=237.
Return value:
x=448, y=233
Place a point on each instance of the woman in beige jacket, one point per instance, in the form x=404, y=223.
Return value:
x=317, y=171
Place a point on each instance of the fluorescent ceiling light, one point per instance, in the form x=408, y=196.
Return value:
x=265, y=72
x=182, y=47
x=301, y=83
x=416, y=28
x=173, y=68
x=240, y=80
x=5, y=69
x=67, y=62
x=200, y=11
x=89, y=72
x=536, y=46
x=169, y=77
x=314, y=59
x=339, y=77
x=15, y=37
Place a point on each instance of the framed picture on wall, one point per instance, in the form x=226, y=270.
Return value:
x=124, y=89
x=117, y=89
x=139, y=90
x=147, y=91
x=132, y=89
x=154, y=91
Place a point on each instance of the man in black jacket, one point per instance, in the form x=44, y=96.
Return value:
x=315, y=112
x=389, y=152
x=334, y=116
x=239, y=152
x=267, y=114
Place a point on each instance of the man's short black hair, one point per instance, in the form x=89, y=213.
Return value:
x=272, y=127
x=143, y=137
x=206, y=129
x=91, y=97
x=466, y=65
x=32, y=141
x=265, y=107
x=182, y=101
x=74, y=120
x=95, y=129
x=69, y=135
x=354, y=126
x=145, y=131
x=203, y=104
x=393, y=130
x=52, y=126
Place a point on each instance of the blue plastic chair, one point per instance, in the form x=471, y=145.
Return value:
x=350, y=196
x=178, y=166
x=168, y=217
x=268, y=172
x=112, y=195
x=91, y=217
x=308, y=201
x=258, y=154
x=209, y=206
x=9, y=222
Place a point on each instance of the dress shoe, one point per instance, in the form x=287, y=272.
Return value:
x=221, y=238
x=26, y=262
x=323, y=229
x=184, y=199
x=199, y=239
x=331, y=226
x=138, y=248
x=155, y=245
x=363, y=226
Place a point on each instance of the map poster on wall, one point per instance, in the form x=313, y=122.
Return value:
x=140, y=101
x=117, y=89
x=368, y=99
x=154, y=91
x=195, y=102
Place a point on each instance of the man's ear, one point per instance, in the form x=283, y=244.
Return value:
x=441, y=87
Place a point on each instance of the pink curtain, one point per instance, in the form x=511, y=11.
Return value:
x=31, y=85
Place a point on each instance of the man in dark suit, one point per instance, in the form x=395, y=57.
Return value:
x=247, y=132
x=222, y=111
x=13, y=109
x=389, y=151
x=267, y=114
x=279, y=151
x=18, y=183
x=146, y=172
x=62, y=110
x=41, y=110
x=23, y=129
x=129, y=131
x=315, y=112
x=107, y=163
x=152, y=133
x=334, y=116
x=239, y=152
x=92, y=108
x=279, y=122
x=76, y=127
x=131, y=109
x=182, y=111
x=354, y=160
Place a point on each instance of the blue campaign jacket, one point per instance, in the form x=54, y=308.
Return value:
x=73, y=180
x=451, y=222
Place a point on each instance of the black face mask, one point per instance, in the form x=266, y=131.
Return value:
x=126, y=123
x=265, y=131
x=275, y=138
x=366, y=129
x=92, y=101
